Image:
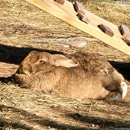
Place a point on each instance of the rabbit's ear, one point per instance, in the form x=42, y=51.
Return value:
x=61, y=60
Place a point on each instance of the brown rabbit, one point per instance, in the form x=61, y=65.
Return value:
x=91, y=78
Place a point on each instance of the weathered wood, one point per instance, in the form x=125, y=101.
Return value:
x=75, y=42
x=84, y=18
x=79, y=7
x=60, y=1
x=106, y=30
x=67, y=13
x=125, y=31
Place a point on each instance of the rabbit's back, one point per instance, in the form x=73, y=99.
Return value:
x=72, y=83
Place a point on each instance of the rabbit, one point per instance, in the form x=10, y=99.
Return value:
x=78, y=75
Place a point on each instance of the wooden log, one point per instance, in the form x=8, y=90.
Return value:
x=79, y=8
x=125, y=31
x=106, y=30
x=60, y=1
x=84, y=18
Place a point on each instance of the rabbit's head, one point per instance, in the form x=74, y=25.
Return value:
x=35, y=61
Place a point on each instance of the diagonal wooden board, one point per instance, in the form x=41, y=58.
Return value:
x=67, y=13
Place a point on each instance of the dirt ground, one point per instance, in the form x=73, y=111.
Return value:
x=24, y=28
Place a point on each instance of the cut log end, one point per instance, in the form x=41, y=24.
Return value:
x=106, y=30
x=79, y=7
x=124, y=30
x=127, y=41
x=83, y=18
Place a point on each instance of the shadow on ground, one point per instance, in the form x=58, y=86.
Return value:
x=103, y=123
x=32, y=120
x=15, y=55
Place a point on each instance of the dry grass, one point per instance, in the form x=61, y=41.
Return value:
x=24, y=28
x=22, y=109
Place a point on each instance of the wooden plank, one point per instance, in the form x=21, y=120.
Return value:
x=67, y=13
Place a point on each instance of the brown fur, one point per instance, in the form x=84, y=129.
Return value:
x=98, y=66
x=93, y=78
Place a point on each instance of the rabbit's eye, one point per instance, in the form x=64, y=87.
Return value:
x=41, y=61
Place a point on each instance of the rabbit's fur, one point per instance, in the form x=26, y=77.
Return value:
x=84, y=76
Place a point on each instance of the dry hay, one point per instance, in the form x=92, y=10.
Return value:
x=22, y=109
x=24, y=28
